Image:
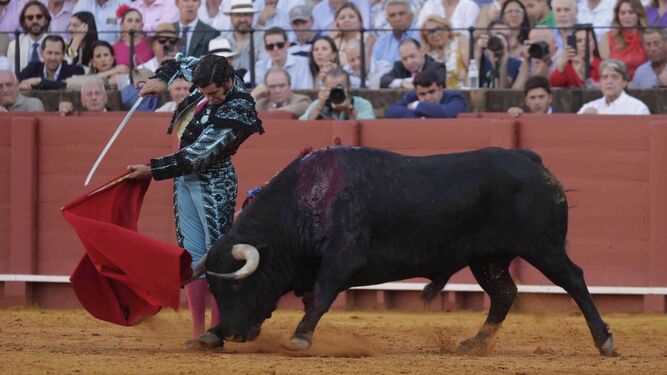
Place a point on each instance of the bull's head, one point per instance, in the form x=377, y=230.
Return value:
x=239, y=294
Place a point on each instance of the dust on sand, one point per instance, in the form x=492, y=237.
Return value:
x=372, y=342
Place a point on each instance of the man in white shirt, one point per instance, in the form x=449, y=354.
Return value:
x=271, y=15
x=600, y=13
x=156, y=12
x=613, y=81
x=61, y=11
x=463, y=16
x=276, y=44
x=105, y=16
x=212, y=13
x=35, y=20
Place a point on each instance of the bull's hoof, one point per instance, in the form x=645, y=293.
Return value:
x=210, y=340
x=299, y=343
x=607, y=349
x=473, y=346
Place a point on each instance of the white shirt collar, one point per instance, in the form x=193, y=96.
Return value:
x=56, y=74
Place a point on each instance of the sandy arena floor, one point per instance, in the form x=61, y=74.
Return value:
x=73, y=342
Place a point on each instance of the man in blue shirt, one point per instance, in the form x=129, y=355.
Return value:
x=429, y=100
x=400, y=17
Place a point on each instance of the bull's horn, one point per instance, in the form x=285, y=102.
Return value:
x=200, y=268
x=241, y=252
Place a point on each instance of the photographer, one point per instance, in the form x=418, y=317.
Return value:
x=571, y=67
x=164, y=44
x=334, y=101
x=497, y=68
x=541, y=52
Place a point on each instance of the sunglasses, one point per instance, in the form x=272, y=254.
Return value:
x=167, y=40
x=271, y=46
x=31, y=16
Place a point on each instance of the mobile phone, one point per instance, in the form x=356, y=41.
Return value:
x=572, y=42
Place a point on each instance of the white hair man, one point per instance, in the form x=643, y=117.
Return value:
x=613, y=81
x=93, y=98
x=11, y=99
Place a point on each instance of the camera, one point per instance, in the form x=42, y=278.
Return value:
x=495, y=44
x=337, y=95
x=538, y=50
x=167, y=48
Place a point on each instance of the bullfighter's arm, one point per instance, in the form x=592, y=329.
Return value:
x=180, y=66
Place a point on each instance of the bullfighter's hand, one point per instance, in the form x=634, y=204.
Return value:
x=139, y=171
x=153, y=87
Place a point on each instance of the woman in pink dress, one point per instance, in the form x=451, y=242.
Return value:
x=624, y=41
x=131, y=21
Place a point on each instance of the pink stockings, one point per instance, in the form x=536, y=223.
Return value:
x=196, y=293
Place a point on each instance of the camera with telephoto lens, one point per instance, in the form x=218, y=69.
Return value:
x=538, y=50
x=495, y=45
x=336, y=95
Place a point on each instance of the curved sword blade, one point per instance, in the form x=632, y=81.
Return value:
x=113, y=138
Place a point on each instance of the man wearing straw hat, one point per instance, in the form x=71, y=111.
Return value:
x=241, y=12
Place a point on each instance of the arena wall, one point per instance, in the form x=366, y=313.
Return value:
x=614, y=168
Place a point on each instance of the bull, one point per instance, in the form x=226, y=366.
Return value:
x=345, y=216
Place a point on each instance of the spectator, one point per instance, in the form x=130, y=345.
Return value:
x=463, y=12
x=348, y=22
x=11, y=99
x=164, y=44
x=323, y=58
x=536, y=96
x=565, y=12
x=271, y=15
x=93, y=98
x=156, y=12
x=195, y=35
x=652, y=73
x=514, y=14
x=624, y=41
x=488, y=13
x=334, y=101
x=105, y=16
x=35, y=21
x=448, y=47
x=52, y=73
x=83, y=34
x=599, y=13
x=655, y=13
x=540, y=13
x=221, y=47
x=570, y=69
x=212, y=13
x=413, y=61
x=275, y=42
x=301, y=20
x=429, y=100
x=374, y=71
x=400, y=17
x=241, y=14
x=61, y=12
x=613, y=80
x=542, y=62
x=178, y=91
x=103, y=63
x=10, y=20
x=324, y=13
x=275, y=94
x=497, y=69
x=131, y=22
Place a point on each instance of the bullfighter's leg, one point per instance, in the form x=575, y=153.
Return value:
x=563, y=272
x=494, y=277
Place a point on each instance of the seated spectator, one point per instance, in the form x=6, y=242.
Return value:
x=324, y=13
x=131, y=21
x=61, y=12
x=105, y=16
x=271, y=15
x=413, y=61
x=536, y=96
x=542, y=52
x=348, y=22
x=301, y=21
x=624, y=41
x=401, y=19
x=448, y=47
x=565, y=12
x=539, y=13
x=93, y=98
x=488, y=13
x=334, y=101
x=275, y=94
x=514, y=14
x=429, y=100
x=374, y=71
x=570, y=69
x=241, y=14
x=220, y=46
x=164, y=44
x=323, y=58
x=178, y=91
x=461, y=14
x=52, y=73
x=35, y=20
x=613, y=80
x=83, y=33
x=212, y=13
x=276, y=44
x=103, y=63
x=11, y=99
x=655, y=13
x=497, y=69
x=598, y=13
x=652, y=73
x=155, y=12
x=195, y=34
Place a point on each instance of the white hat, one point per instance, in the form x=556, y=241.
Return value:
x=221, y=47
x=241, y=6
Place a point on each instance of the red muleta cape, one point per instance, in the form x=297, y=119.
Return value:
x=124, y=275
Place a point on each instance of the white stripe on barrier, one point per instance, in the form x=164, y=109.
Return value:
x=404, y=286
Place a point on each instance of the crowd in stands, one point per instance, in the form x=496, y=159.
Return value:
x=431, y=48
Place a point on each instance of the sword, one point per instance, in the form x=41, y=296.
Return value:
x=113, y=138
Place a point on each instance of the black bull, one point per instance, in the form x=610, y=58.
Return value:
x=343, y=217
